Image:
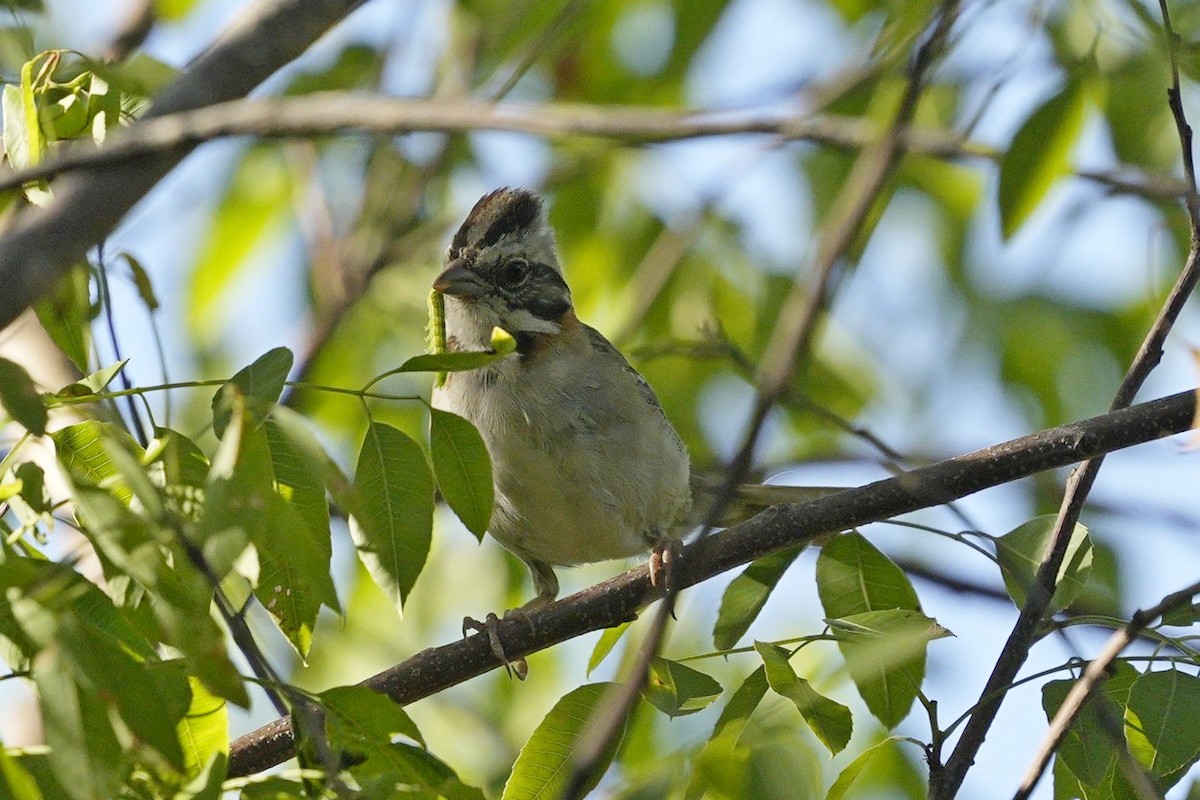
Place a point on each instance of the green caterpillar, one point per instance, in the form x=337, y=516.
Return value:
x=436, y=334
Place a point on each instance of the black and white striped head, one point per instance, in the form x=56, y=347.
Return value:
x=502, y=270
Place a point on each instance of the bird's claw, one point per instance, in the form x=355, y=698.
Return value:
x=491, y=626
x=663, y=560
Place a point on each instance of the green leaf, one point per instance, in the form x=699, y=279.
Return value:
x=20, y=397
x=204, y=730
x=139, y=75
x=463, y=468
x=745, y=700
x=293, y=578
x=85, y=387
x=364, y=720
x=1086, y=749
x=24, y=142
x=544, y=763
x=16, y=781
x=238, y=495
x=854, y=770
x=290, y=536
x=449, y=362
x=885, y=656
x=183, y=596
x=84, y=751
x=604, y=645
x=361, y=725
x=746, y=595
x=729, y=727
x=1039, y=155
x=304, y=453
x=1021, y=551
x=678, y=690
x=152, y=698
x=66, y=315
x=854, y=577
x=33, y=487
x=394, y=526
x=85, y=449
x=260, y=384
x=829, y=720
x=1161, y=723
x=141, y=279
x=180, y=467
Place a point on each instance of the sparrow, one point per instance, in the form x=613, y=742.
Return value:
x=585, y=464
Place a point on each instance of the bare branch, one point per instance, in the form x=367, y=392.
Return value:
x=619, y=598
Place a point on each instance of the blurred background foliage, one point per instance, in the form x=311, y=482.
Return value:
x=1002, y=283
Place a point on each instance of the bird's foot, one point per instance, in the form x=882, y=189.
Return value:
x=663, y=560
x=491, y=627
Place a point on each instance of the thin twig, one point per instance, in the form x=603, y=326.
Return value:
x=945, y=782
x=618, y=599
x=1092, y=676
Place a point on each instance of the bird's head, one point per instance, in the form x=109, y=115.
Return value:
x=502, y=271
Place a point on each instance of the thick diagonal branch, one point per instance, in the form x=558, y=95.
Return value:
x=619, y=599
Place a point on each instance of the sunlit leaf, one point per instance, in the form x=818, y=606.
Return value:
x=204, y=730
x=829, y=720
x=85, y=449
x=544, y=763
x=16, y=780
x=238, y=493
x=358, y=717
x=1161, y=722
x=463, y=468
x=1021, y=551
x=93, y=383
x=746, y=595
x=394, y=489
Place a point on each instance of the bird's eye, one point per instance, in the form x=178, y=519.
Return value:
x=514, y=272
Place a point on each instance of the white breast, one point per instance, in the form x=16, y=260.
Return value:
x=585, y=468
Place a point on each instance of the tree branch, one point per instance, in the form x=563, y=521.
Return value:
x=619, y=598
x=944, y=782
x=87, y=206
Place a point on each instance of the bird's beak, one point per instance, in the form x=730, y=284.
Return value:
x=458, y=281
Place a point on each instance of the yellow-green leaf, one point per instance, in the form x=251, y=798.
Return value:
x=1039, y=155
